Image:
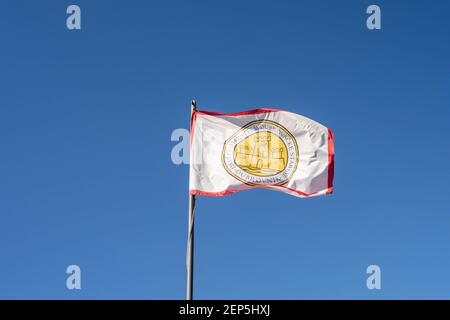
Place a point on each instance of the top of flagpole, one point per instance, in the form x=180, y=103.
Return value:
x=193, y=105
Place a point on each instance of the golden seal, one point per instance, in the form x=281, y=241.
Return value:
x=261, y=152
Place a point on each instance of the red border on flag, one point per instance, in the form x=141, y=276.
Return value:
x=237, y=114
x=329, y=190
x=330, y=161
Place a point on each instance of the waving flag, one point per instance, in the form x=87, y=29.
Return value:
x=261, y=148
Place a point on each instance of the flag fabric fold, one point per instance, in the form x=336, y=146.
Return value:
x=260, y=148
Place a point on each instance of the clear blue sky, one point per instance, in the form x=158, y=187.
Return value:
x=86, y=176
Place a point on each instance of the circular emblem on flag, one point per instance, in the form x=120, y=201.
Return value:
x=261, y=152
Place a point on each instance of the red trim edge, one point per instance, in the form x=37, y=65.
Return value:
x=330, y=161
x=191, y=131
x=230, y=191
x=236, y=114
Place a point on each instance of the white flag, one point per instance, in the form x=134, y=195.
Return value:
x=261, y=148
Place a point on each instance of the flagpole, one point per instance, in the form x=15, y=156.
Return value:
x=190, y=244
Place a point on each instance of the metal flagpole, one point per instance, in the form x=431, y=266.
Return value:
x=190, y=244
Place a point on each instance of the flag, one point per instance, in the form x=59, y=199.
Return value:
x=261, y=148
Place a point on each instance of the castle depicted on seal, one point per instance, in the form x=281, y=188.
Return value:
x=259, y=154
x=262, y=152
